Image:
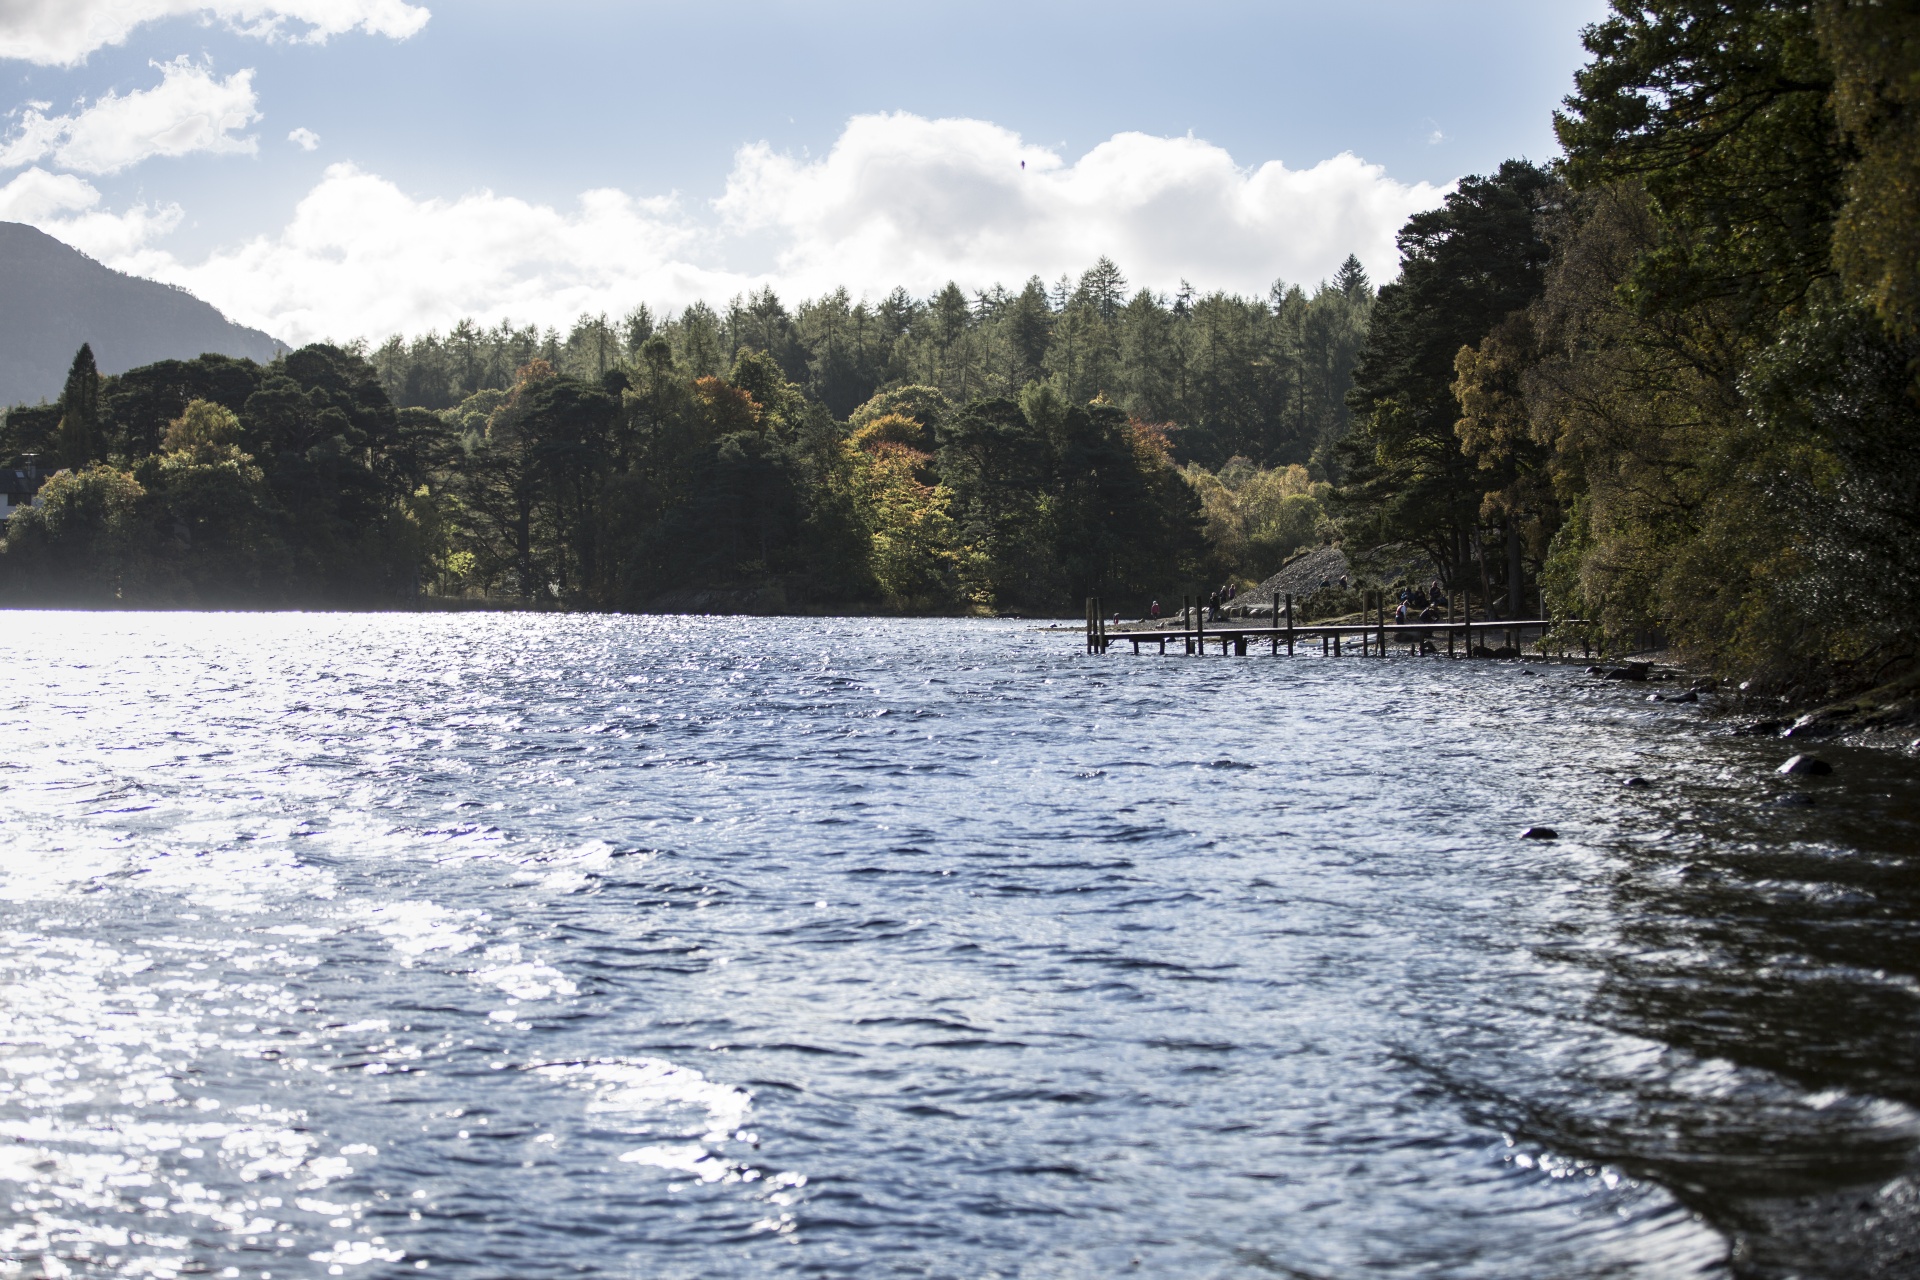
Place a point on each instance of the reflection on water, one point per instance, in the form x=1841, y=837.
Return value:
x=541, y=946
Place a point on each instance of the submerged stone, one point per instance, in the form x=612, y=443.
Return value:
x=1807, y=765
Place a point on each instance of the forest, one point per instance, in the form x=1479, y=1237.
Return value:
x=1670, y=380
x=1005, y=452
x=1664, y=384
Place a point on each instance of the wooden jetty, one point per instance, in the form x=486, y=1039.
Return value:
x=1374, y=635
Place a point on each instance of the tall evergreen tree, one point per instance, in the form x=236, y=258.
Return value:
x=79, y=439
x=1464, y=267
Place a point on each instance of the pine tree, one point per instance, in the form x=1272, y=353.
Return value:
x=1103, y=287
x=1351, y=278
x=78, y=440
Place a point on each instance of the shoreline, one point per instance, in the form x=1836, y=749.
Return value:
x=1885, y=717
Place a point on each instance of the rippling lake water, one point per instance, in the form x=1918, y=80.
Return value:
x=528, y=946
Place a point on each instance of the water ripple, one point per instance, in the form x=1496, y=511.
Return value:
x=536, y=946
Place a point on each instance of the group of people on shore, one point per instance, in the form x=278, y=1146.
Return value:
x=1423, y=606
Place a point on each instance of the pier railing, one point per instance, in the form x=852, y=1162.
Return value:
x=1374, y=633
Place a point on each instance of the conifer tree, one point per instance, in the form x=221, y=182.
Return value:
x=1351, y=278
x=78, y=439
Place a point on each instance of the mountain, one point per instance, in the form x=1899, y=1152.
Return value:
x=53, y=298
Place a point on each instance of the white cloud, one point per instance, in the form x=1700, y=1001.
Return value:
x=362, y=258
x=304, y=138
x=189, y=110
x=64, y=32
x=67, y=208
x=901, y=199
x=898, y=200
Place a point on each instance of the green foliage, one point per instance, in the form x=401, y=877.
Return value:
x=1697, y=416
x=1874, y=50
x=203, y=429
x=78, y=441
x=1465, y=268
x=30, y=429
x=1745, y=435
x=1012, y=450
x=216, y=481
x=136, y=406
x=1720, y=112
x=1263, y=378
x=1257, y=517
x=84, y=540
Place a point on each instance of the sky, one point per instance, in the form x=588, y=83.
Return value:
x=341, y=169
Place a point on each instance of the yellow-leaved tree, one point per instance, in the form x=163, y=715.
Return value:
x=908, y=517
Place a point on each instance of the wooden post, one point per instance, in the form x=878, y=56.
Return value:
x=1289, y=624
x=1336, y=644
x=1199, y=628
x=1366, y=607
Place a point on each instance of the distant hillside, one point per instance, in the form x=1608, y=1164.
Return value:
x=53, y=298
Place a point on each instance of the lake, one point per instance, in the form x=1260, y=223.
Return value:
x=523, y=946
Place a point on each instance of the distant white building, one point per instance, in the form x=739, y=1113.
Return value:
x=18, y=484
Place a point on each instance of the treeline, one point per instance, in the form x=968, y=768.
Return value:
x=1260, y=378
x=1012, y=452
x=218, y=481
x=1671, y=380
